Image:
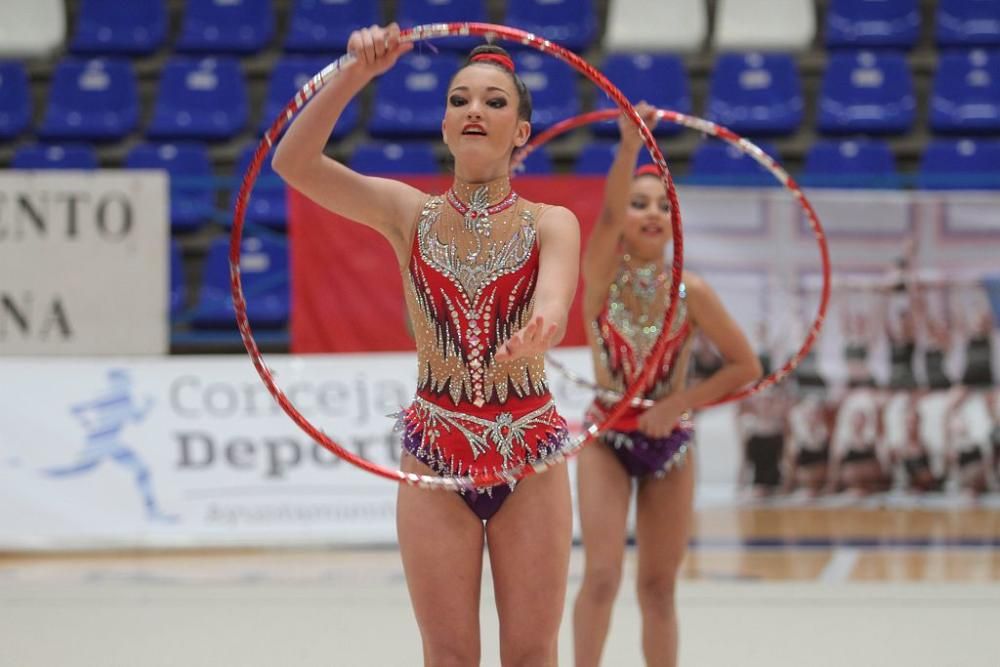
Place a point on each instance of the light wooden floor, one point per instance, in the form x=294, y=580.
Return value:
x=729, y=543
x=838, y=524
x=762, y=587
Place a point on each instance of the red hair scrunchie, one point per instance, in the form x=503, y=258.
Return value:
x=497, y=58
x=646, y=169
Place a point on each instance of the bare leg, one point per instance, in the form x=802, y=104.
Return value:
x=529, y=539
x=663, y=524
x=441, y=543
x=604, y=490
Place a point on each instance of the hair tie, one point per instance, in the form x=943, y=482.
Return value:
x=497, y=58
x=647, y=170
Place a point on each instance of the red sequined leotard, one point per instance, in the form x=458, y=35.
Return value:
x=470, y=284
x=621, y=338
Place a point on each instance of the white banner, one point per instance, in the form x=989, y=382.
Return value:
x=192, y=451
x=83, y=262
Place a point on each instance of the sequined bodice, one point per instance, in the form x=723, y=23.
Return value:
x=625, y=331
x=470, y=284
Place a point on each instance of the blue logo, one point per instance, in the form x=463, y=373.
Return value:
x=103, y=419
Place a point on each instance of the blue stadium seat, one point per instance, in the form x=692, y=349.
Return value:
x=192, y=191
x=569, y=23
x=410, y=97
x=48, y=156
x=865, y=163
x=596, y=157
x=412, y=157
x=553, y=88
x=866, y=92
x=267, y=199
x=176, y=296
x=756, y=93
x=658, y=79
x=966, y=94
x=872, y=23
x=968, y=23
x=226, y=26
x=264, y=273
x=200, y=99
x=421, y=12
x=288, y=75
x=539, y=163
x=133, y=28
x=94, y=100
x=325, y=25
x=15, y=99
x=717, y=163
x=960, y=164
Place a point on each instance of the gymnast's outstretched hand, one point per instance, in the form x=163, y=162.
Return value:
x=535, y=338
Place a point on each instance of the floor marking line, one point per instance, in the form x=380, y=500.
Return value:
x=838, y=569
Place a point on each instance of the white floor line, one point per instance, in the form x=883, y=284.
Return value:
x=840, y=565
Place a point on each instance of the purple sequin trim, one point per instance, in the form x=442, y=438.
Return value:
x=643, y=456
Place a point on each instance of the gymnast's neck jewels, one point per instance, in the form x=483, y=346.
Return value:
x=477, y=202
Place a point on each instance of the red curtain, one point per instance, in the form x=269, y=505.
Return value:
x=347, y=294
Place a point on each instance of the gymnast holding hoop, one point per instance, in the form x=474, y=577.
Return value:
x=626, y=286
x=489, y=278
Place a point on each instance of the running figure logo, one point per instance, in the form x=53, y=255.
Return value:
x=103, y=420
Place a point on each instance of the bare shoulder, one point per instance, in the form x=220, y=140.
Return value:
x=551, y=218
x=700, y=298
x=410, y=200
x=695, y=285
x=417, y=201
x=415, y=194
x=408, y=205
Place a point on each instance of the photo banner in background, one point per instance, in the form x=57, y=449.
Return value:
x=83, y=262
x=755, y=248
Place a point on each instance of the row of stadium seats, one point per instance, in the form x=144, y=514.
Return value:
x=896, y=23
x=946, y=164
x=140, y=27
x=756, y=94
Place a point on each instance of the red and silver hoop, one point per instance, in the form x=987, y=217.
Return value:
x=749, y=148
x=301, y=98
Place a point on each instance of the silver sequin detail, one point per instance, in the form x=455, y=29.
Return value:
x=472, y=277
